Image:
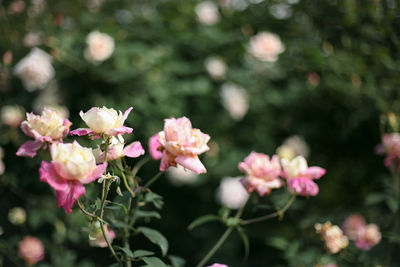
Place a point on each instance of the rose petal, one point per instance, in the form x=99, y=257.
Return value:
x=134, y=150
x=154, y=146
x=97, y=172
x=126, y=113
x=49, y=175
x=192, y=163
x=303, y=186
x=313, y=173
x=81, y=132
x=67, y=197
x=29, y=148
x=119, y=130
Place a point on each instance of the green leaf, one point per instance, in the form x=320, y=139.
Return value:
x=245, y=240
x=201, y=220
x=156, y=237
x=157, y=200
x=154, y=262
x=127, y=251
x=278, y=242
x=374, y=198
x=141, y=253
x=148, y=214
x=176, y=261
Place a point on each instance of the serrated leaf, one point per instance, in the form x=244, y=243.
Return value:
x=202, y=220
x=155, y=237
x=154, y=262
x=141, y=253
x=245, y=240
x=176, y=261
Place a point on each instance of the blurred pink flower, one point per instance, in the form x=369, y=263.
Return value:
x=180, y=144
x=368, y=237
x=103, y=121
x=391, y=146
x=71, y=167
x=300, y=177
x=333, y=236
x=98, y=239
x=49, y=127
x=218, y=265
x=261, y=173
x=352, y=225
x=266, y=46
x=31, y=250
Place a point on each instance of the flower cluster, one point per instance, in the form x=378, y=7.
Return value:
x=179, y=143
x=262, y=174
x=364, y=235
x=333, y=236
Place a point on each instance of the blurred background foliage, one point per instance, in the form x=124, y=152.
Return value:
x=339, y=72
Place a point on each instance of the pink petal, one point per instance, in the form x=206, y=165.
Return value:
x=119, y=130
x=192, y=163
x=166, y=161
x=97, y=172
x=66, y=125
x=49, y=175
x=67, y=197
x=44, y=139
x=313, y=173
x=29, y=148
x=81, y=131
x=26, y=129
x=154, y=146
x=126, y=113
x=303, y=186
x=134, y=150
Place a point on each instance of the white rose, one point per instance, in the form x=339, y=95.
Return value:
x=231, y=193
x=207, y=12
x=102, y=119
x=235, y=101
x=100, y=46
x=72, y=161
x=216, y=67
x=35, y=70
x=50, y=123
x=266, y=46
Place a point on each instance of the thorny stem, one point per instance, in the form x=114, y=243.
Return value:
x=272, y=215
x=104, y=193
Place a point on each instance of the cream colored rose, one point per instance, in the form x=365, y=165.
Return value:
x=35, y=70
x=50, y=123
x=102, y=119
x=294, y=167
x=100, y=46
x=231, y=193
x=216, y=67
x=266, y=46
x=207, y=13
x=72, y=161
x=235, y=100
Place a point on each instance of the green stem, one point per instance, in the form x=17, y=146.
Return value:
x=127, y=185
x=152, y=180
x=221, y=240
x=272, y=215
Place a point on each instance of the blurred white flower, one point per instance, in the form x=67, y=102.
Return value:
x=12, y=115
x=266, y=46
x=231, y=193
x=281, y=11
x=100, y=47
x=35, y=70
x=32, y=39
x=94, y=5
x=235, y=100
x=181, y=176
x=207, y=13
x=17, y=215
x=215, y=67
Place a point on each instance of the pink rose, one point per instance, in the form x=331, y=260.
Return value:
x=180, y=144
x=117, y=149
x=218, y=265
x=368, y=237
x=261, y=173
x=300, y=177
x=71, y=167
x=103, y=121
x=31, y=250
x=352, y=225
x=391, y=146
x=49, y=127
